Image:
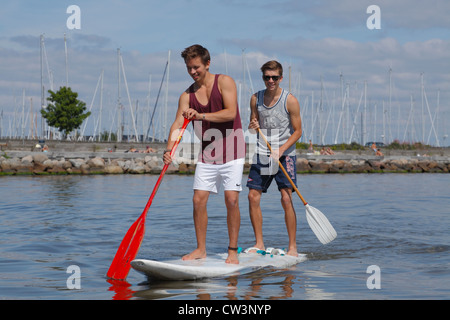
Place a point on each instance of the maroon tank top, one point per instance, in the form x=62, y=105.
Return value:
x=221, y=142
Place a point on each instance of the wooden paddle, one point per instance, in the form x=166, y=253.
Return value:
x=317, y=221
x=130, y=244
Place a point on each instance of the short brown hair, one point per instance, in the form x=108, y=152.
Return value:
x=195, y=51
x=272, y=65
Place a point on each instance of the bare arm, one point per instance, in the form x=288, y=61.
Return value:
x=293, y=108
x=254, y=117
x=183, y=106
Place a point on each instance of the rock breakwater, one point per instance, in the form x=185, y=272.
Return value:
x=396, y=165
x=39, y=163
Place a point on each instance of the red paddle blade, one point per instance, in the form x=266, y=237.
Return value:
x=127, y=251
x=131, y=243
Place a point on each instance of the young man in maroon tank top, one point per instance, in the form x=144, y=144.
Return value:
x=211, y=101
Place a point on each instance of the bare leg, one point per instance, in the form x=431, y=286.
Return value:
x=254, y=200
x=200, y=200
x=233, y=222
x=291, y=220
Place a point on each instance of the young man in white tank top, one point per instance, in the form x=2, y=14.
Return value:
x=277, y=113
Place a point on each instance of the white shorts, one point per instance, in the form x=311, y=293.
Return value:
x=210, y=177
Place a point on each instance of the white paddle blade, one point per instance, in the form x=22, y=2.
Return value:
x=320, y=225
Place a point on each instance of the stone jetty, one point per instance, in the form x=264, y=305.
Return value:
x=372, y=164
x=80, y=163
x=91, y=162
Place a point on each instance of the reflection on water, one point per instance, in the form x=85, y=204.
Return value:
x=282, y=284
x=398, y=222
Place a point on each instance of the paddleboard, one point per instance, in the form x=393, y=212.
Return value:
x=212, y=267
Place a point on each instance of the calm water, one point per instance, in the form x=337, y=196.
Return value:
x=398, y=222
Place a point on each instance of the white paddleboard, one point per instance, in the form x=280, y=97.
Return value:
x=211, y=267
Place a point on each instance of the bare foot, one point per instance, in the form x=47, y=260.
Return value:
x=254, y=249
x=232, y=257
x=196, y=254
x=292, y=252
x=260, y=246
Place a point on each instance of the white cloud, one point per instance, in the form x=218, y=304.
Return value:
x=319, y=40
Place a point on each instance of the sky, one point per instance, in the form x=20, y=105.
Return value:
x=359, y=75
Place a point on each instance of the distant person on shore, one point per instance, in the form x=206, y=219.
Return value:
x=378, y=152
x=45, y=148
x=132, y=150
x=149, y=150
x=211, y=101
x=311, y=149
x=326, y=151
x=277, y=113
x=373, y=147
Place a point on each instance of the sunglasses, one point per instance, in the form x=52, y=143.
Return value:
x=274, y=78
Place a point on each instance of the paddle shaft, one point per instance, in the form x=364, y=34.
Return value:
x=316, y=219
x=172, y=152
x=282, y=168
x=131, y=243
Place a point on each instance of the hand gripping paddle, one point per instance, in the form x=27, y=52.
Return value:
x=130, y=244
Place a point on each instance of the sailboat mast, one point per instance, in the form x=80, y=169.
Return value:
x=101, y=110
x=119, y=130
x=166, y=98
x=42, y=84
x=67, y=68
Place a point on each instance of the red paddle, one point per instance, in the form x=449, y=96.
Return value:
x=130, y=244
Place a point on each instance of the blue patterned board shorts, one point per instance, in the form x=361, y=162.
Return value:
x=262, y=174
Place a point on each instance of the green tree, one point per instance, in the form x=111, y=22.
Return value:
x=65, y=112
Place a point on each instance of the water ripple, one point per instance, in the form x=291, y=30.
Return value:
x=398, y=222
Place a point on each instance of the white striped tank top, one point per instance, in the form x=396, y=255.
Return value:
x=275, y=124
